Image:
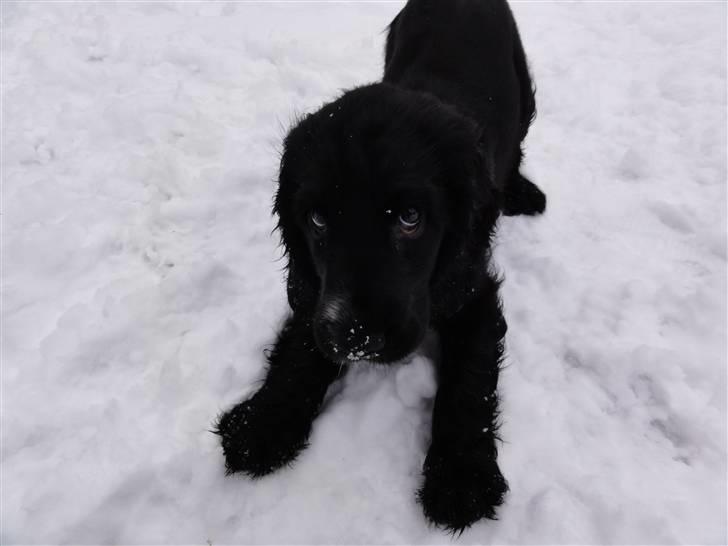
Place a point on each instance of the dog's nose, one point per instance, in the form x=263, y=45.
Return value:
x=343, y=334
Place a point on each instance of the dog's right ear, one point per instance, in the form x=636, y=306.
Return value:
x=303, y=283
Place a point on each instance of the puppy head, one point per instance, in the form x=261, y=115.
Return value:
x=382, y=198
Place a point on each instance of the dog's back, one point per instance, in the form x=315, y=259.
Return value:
x=469, y=54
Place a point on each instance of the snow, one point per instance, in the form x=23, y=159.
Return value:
x=141, y=280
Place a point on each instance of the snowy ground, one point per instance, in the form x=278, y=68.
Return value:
x=141, y=280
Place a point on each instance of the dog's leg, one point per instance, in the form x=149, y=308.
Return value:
x=269, y=429
x=522, y=197
x=462, y=480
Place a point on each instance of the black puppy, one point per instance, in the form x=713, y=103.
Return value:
x=387, y=201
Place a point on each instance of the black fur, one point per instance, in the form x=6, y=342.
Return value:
x=387, y=201
x=469, y=54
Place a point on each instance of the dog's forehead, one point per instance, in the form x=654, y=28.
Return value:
x=354, y=157
x=380, y=167
x=353, y=174
x=359, y=191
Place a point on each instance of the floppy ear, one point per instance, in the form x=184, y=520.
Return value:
x=472, y=200
x=466, y=161
x=302, y=282
x=486, y=157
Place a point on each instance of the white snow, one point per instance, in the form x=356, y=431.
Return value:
x=141, y=280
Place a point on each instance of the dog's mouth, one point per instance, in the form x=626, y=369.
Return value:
x=353, y=357
x=345, y=336
x=367, y=347
x=359, y=356
x=376, y=349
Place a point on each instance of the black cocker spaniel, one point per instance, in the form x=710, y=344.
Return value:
x=387, y=201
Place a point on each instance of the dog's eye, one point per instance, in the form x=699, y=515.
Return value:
x=317, y=220
x=409, y=220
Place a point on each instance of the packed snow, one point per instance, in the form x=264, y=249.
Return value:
x=142, y=280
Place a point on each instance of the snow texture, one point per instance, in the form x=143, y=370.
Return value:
x=142, y=280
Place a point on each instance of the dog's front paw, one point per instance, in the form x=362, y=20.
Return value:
x=460, y=489
x=258, y=438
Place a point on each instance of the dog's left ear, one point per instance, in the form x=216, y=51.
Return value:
x=486, y=150
x=467, y=170
x=486, y=158
x=467, y=175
